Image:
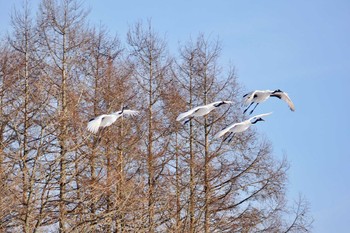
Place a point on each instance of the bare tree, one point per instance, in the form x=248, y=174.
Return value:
x=99, y=56
x=199, y=78
x=188, y=70
x=28, y=106
x=148, y=52
x=62, y=27
x=23, y=44
x=7, y=82
x=175, y=102
x=299, y=213
x=109, y=88
x=208, y=72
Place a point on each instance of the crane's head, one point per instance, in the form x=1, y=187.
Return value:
x=258, y=119
x=222, y=102
x=124, y=108
x=277, y=91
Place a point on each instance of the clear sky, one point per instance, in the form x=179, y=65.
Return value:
x=301, y=47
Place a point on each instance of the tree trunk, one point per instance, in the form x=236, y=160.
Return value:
x=192, y=167
x=206, y=178
x=150, y=157
x=26, y=189
x=206, y=162
x=120, y=183
x=178, y=191
x=62, y=138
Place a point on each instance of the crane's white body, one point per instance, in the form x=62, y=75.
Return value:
x=260, y=96
x=257, y=96
x=106, y=120
x=241, y=126
x=201, y=110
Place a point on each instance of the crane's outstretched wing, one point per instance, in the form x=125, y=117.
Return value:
x=95, y=123
x=219, y=103
x=187, y=114
x=284, y=96
x=248, y=98
x=128, y=112
x=229, y=128
x=259, y=116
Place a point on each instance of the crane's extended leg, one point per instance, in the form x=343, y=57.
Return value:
x=254, y=108
x=231, y=138
x=186, y=121
x=248, y=107
x=227, y=136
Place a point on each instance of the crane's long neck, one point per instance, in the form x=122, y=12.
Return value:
x=122, y=111
x=259, y=119
x=219, y=104
x=254, y=122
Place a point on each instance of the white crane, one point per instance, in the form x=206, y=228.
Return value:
x=106, y=120
x=240, y=127
x=259, y=96
x=201, y=110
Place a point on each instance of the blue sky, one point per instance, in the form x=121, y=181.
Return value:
x=301, y=47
